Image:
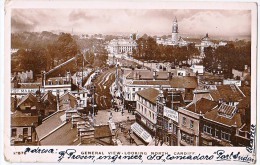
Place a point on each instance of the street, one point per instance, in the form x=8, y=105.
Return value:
x=102, y=83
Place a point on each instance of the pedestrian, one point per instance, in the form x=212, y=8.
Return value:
x=122, y=112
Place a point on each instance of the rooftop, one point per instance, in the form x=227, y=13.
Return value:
x=149, y=94
x=50, y=124
x=65, y=135
x=227, y=93
x=184, y=82
x=202, y=106
x=30, y=97
x=215, y=117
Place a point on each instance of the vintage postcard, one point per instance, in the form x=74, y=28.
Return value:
x=130, y=82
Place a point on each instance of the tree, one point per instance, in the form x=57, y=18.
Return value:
x=34, y=60
x=89, y=56
x=66, y=47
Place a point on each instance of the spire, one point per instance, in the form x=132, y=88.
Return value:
x=175, y=19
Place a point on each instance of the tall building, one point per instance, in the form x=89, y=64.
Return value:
x=175, y=40
x=175, y=31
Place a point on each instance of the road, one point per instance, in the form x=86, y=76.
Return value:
x=102, y=93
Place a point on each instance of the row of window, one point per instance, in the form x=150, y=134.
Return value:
x=224, y=135
x=57, y=82
x=144, y=111
x=184, y=122
x=135, y=89
x=187, y=138
x=14, y=132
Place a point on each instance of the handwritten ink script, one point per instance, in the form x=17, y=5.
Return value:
x=250, y=148
x=72, y=154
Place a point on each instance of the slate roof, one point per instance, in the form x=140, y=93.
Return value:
x=48, y=96
x=23, y=121
x=147, y=75
x=149, y=94
x=65, y=135
x=49, y=124
x=102, y=131
x=29, y=97
x=202, y=106
x=175, y=82
x=71, y=96
x=184, y=82
x=227, y=93
x=215, y=117
x=151, y=82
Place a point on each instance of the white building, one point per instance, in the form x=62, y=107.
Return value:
x=122, y=46
x=197, y=69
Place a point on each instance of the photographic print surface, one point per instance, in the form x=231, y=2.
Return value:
x=99, y=82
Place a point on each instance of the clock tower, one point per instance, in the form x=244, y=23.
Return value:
x=175, y=31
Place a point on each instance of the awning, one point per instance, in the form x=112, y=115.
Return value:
x=139, y=131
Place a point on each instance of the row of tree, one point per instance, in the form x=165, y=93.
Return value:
x=228, y=57
x=44, y=51
x=148, y=49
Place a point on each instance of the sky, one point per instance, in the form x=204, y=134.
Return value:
x=232, y=23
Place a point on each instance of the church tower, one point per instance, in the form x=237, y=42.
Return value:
x=175, y=31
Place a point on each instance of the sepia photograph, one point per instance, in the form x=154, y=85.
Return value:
x=132, y=77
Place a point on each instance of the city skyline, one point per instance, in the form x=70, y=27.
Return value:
x=222, y=23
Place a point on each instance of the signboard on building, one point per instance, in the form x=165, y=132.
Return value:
x=25, y=90
x=170, y=113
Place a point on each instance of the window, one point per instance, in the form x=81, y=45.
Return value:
x=191, y=140
x=13, y=133
x=144, y=110
x=174, y=129
x=216, y=133
x=133, y=89
x=170, y=126
x=25, y=132
x=150, y=114
x=139, y=89
x=207, y=129
x=184, y=121
x=133, y=96
x=191, y=124
x=187, y=138
x=225, y=136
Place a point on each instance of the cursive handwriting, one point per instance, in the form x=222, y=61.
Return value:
x=223, y=156
x=38, y=150
x=250, y=148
